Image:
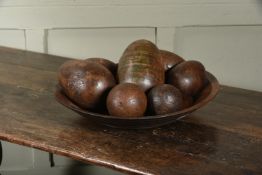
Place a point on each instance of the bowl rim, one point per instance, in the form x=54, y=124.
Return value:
x=213, y=82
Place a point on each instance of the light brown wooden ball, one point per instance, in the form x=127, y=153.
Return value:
x=105, y=62
x=170, y=59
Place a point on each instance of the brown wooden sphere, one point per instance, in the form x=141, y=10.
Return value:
x=170, y=59
x=164, y=99
x=126, y=100
x=105, y=62
x=188, y=76
x=85, y=83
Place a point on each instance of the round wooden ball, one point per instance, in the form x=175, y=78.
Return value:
x=170, y=59
x=105, y=62
x=85, y=83
x=164, y=99
x=188, y=76
x=126, y=100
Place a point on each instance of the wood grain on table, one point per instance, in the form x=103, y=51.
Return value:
x=224, y=137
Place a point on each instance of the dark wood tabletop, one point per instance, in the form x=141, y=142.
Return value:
x=224, y=137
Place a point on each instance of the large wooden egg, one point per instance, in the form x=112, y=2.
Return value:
x=85, y=83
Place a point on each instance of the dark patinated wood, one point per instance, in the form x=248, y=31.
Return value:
x=225, y=137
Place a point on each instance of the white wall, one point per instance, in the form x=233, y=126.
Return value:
x=232, y=53
x=97, y=42
x=226, y=35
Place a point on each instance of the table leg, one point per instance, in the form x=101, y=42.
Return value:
x=1, y=153
x=51, y=160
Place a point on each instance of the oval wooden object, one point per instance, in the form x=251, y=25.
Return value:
x=170, y=59
x=127, y=100
x=188, y=76
x=141, y=64
x=164, y=99
x=85, y=83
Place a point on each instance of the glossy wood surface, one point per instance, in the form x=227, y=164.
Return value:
x=224, y=137
x=141, y=64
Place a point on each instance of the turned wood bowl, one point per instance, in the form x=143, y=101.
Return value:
x=205, y=96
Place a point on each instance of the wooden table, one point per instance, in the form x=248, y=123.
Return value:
x=225, y=137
